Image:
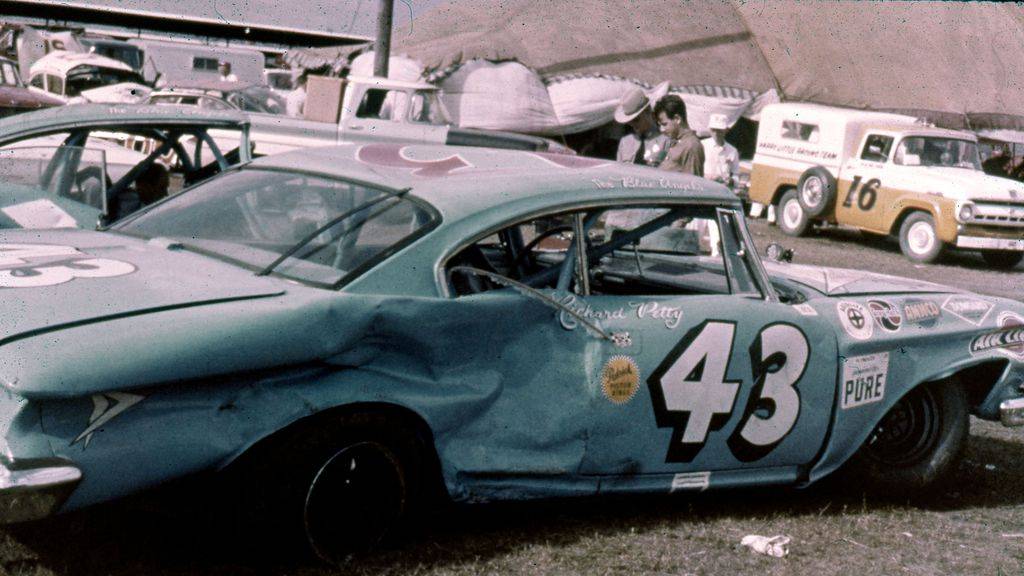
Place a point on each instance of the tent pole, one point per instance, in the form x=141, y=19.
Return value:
x=382, y=45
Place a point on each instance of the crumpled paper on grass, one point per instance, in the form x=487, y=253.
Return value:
x=777, y=546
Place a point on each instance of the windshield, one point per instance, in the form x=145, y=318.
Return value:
x=310, y=228
x=85, y=78
x=257, y=99
x=937, y=151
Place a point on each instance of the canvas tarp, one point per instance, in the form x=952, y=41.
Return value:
x=951, y=62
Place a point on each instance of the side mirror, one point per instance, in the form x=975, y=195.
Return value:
x=777, y=253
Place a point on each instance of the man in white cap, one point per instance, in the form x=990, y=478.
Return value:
x=645, y=144
x=721, y=160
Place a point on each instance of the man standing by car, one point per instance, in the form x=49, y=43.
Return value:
x=644, y=144
x=721, y=160
x=295, y=103
x=225, y=72
x=685, y=153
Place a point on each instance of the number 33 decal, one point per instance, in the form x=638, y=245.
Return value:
x=691, y=394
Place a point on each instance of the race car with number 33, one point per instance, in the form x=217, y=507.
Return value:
x=357, y=328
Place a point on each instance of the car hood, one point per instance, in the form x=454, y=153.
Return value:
x=846, y=282
x=964, y=184
x=54, y=279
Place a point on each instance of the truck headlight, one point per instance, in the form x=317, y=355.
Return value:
x=966, y=212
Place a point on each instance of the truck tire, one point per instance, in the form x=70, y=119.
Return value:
x=1002, y=260
x=817, y=191
x=918, y=239
x=918, y=443
x=790, y=215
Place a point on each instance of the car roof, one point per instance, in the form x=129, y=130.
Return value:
x=62, y=61
x=460, y=181
x=80, y=115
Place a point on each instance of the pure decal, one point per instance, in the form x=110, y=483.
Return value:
x=864, y=379
x=620, y=379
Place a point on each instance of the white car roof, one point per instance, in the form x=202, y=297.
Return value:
x=60, y=62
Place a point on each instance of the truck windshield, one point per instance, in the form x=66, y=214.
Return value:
x=937, y=151
x=82, y=78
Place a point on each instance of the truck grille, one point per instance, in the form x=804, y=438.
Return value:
x=999, y=215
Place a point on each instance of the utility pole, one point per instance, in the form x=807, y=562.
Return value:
x=382, y=45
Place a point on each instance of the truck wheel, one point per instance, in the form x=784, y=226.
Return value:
x=817, y=190
x=1003, y=260
x=918, y=239
x=919, y=442
x=790, y=215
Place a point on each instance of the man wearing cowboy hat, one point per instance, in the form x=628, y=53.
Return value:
x=645, y=144
x=721, y=160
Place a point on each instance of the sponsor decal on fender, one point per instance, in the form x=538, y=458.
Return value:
x=886, y=315
x=856, y=319
x=922, y=312
x=1008, y=339
x=968, y=309
x=864, y=380
x=620, y=379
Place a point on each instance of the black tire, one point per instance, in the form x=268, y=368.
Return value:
x=919, y=241
x=1002, y=260
x=790, y=215
x=335, y=486
x=918, y=443
x=817, y=192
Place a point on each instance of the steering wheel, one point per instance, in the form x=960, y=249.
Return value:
x=527, y=251
x=89, y=188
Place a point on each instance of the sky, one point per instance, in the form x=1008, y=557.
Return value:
x=341, y=16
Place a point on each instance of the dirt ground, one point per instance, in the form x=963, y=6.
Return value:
x=976, y=526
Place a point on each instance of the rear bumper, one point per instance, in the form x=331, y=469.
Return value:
x=35, y=490
x=982, y=243
x=1011, y=412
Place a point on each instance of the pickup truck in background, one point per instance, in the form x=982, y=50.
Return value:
x=365, y=109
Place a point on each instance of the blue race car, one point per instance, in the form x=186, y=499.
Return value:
x=355, y=326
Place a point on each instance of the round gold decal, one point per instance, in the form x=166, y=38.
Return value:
x=620, y=379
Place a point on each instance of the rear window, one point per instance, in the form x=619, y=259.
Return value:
x=320, y=230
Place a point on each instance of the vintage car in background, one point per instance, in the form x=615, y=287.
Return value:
x=373, y=109
x=351, y=329
x=216, y=95
x=69, y=76
x=68, y=166
x=885, y=174
x=15, y=97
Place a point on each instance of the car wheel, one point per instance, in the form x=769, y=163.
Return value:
x=918, y=239
x=334, y=486
x=790, y=215
x=919, y=442
x=356, y=498
x=1002, y=260
x=817, y=191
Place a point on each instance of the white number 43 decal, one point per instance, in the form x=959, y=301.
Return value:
x=691, y=394
x=37, y=265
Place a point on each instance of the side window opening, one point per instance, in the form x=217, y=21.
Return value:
x=876, y=148
x=793, y=130
x=654, y=250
